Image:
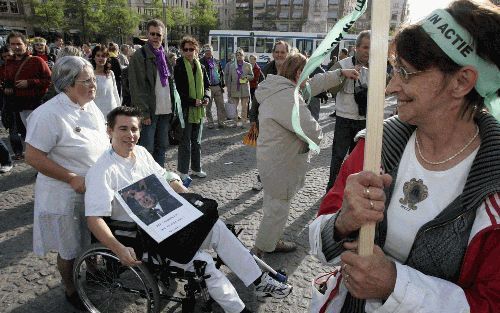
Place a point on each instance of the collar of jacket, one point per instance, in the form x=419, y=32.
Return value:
x=484, y=176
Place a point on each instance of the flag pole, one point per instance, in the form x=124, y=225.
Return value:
x=379, y=41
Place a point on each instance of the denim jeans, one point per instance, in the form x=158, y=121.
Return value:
x=154, y=137
x=5, y=158
x=343, y=141
x=189, y=149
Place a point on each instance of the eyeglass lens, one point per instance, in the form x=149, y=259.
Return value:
x=155, y=34
x=188, y=49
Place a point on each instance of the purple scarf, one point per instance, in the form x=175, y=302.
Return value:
x=161, y=64
x=211, y=65
x=239, y=72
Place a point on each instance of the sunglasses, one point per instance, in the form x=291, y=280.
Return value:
x=153, y=34
x=188, y=49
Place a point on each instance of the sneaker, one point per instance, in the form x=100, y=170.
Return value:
x=269, y=287
x=285, y=246
x=200, y=174
x=257, y=186
x=239, y=124
x=5, y=168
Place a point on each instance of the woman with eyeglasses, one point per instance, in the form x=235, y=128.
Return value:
x=65, y=136
x=41, y=50
x=106, y=96
x=193, y=85
x=238, y=75
x=438, y=205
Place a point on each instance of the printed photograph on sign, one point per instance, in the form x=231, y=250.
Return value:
x=156, y=207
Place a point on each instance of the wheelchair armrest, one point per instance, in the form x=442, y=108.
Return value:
x=121, y=225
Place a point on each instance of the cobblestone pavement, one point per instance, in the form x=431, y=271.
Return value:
x=29, y=283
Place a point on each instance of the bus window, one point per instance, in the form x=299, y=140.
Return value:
x=287, y=40
x=215, y=43
x=305, y=46
x=245, y=43
x=264, y=45
x=226, y=49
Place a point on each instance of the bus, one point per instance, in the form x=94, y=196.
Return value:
x=260, y=43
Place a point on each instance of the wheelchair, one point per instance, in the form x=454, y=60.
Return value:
x=105, y=285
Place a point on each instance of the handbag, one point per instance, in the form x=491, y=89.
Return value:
x=328, y=293
x=361, y=97
x=175, y=132
x=183, y=245
x=250, y=138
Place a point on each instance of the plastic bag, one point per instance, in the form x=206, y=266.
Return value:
x=231, y=109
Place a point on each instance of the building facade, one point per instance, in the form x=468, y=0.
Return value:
x=14, y=15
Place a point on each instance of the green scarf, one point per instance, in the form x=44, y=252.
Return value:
x=196, y=91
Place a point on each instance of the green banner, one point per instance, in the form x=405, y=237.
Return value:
x=331, y=40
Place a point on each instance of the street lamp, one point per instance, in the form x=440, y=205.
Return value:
x=165, y=22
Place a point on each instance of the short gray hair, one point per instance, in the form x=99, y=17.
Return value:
x=361, y=35
x=66, y=70
x=67, y=51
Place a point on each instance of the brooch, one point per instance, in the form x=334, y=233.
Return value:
x=78, y=129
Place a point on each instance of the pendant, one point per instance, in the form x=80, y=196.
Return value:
x=78, y=129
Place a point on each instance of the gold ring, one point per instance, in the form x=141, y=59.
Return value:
x=372, y=206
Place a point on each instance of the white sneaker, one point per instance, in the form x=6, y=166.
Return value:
x=239, y=124
x=5, y=168
x=257, y=186
x=200, y=174
x=270, y=287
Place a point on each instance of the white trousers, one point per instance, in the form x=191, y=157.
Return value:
x=235, y=256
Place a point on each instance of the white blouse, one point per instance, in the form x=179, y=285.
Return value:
x=106, y=96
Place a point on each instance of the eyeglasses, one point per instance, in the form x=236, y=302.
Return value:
x=188, y=49
x=88, y=82
x=405, y=75
x=153, y=34
x=39, y=44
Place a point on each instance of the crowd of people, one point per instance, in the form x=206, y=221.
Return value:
x=98, y=118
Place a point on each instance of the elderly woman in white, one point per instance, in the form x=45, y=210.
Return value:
x=65, y=136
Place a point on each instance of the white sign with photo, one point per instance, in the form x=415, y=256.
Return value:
x=156, y=207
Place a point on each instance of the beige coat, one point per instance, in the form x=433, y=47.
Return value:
x=231, y=78
x=281, y=154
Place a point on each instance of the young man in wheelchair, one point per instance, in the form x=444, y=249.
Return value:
x=125, y=163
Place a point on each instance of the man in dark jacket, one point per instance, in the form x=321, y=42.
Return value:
x=216, y=78
x=151, y=85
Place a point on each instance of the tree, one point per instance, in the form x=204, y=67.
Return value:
x=204, y=18
x=242, y=20
x=84, y=15
x=176, y=22
x=117, y=20
x=48, y=14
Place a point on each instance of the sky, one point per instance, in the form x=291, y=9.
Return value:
x=421, y=8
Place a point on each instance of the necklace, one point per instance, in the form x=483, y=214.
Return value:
x=450, y=158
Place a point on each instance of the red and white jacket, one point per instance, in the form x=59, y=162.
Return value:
x=478, y=287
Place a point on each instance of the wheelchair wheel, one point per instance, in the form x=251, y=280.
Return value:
x=105, y=285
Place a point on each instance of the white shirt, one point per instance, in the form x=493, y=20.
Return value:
x=73, y=137
x=419, y=196
x=106, y=95
x=163, y=101
x=113, y=172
